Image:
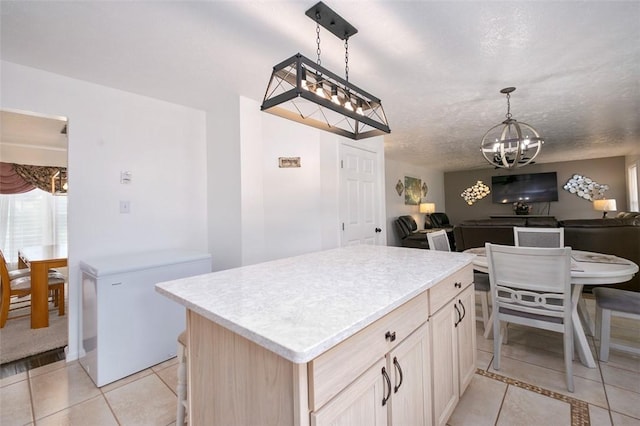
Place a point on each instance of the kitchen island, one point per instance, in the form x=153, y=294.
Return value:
x=343, y=335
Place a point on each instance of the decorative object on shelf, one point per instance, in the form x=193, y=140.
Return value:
x=605, y=205
x=520, y=208
x=511, y=144
x=287, y=162
x=425, y=189
x=304, y=91
x=475, y=192
x=585, y=187
x=412, y=190
x=399, y=187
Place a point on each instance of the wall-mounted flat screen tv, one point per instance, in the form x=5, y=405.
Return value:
x=532, y=187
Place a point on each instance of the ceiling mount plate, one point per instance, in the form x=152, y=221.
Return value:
x=331, y=21
x=508, y=90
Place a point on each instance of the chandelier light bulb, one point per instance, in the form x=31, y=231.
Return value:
x=303, y=77
x=359, y=109
x=348, y=105
x=334, y=95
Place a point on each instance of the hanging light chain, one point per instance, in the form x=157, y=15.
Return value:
x=346, y=58
x=318, y=36
x=508, y=115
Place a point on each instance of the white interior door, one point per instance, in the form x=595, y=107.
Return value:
x=359, y=197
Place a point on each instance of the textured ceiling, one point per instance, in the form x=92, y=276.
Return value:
x=437, y=66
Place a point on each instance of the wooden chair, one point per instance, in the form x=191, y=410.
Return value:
x=532, y=286
x=439, y=240
x=21, y=286
x=181, y=387
x=538, y=237
x=614, y=302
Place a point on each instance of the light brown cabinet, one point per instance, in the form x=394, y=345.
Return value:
x=453, y=350
x=394, y=391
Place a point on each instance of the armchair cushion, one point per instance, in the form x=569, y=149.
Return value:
x=439, y=220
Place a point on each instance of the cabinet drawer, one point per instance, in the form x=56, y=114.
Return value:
x=445, y=290
x=332, y=371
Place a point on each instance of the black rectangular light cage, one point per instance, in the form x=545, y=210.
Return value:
x=303, y=91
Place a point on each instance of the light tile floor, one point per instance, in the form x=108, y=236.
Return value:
x=529, y=389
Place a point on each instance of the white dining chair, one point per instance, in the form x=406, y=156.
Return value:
x=538, y=237
x=613, y=302
x=531, y=286
x=439, y=241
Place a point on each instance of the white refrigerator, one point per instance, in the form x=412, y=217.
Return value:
x=126, y=325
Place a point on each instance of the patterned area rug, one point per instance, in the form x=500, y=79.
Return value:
x=579, y=409
x=18, y=340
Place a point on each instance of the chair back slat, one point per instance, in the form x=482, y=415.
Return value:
x=538, y=237
x=438, y=240
x=538, y=279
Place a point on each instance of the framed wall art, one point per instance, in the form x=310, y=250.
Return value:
x=412, y=190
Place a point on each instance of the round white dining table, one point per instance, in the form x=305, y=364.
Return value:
x=587, y=268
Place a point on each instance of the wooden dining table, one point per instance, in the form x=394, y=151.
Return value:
x=40, y=259
x=587, y=268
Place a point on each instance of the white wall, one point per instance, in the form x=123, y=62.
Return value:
x=286, y=211
x=610, y=171
x=224, y=181
x=162, y=144
x=396, y=170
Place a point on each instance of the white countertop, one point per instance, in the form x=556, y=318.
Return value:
x=301, y=306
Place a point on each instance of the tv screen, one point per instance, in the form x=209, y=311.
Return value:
x=532, y=187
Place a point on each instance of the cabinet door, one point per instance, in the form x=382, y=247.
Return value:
x=410, y=402
x=466, y=331
x=360, y=403
x=444, y=362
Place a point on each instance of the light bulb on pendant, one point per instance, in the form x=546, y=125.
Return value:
x=359, y=109
x=303, y=78
x=334, y=95
x=348, y=105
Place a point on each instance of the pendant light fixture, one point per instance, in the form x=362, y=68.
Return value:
x=304, y=91
x=511, y=144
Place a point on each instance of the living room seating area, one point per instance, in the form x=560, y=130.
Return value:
x=619, y=236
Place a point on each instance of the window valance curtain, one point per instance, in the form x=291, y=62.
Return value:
x=20, y=178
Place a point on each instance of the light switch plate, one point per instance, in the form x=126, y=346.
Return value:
x=125, y=177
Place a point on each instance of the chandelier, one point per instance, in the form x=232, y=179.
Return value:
x=304, y=91
x=511, y=144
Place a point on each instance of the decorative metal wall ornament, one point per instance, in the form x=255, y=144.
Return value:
x=399, y=187
x=511, y=144
x=425, y=189
x=475, y=192
x=585, y=187
x=308, y=93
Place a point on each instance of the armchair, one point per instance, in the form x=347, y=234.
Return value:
x=408, y=233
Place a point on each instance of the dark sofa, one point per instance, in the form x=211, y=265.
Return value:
x=619, y=236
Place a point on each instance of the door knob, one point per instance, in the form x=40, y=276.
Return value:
x=378, y=230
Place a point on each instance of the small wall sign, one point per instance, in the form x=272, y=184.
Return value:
x=287, y=162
